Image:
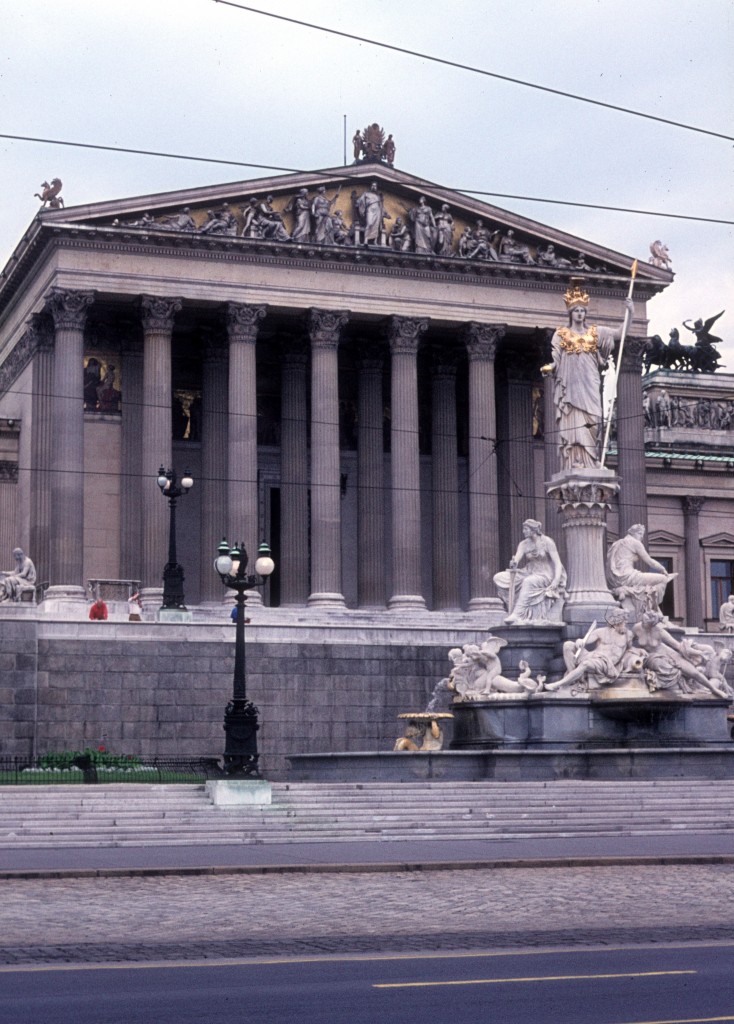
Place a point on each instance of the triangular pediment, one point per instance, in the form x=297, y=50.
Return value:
x=718, y=540
x=446, y=224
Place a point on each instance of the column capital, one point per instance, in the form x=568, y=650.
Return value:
x=443, y=364
x=632, y=355
x=158, y=314
x=243, y=321
x=692, y=506
x=294, y=352
x=370, y=358
x=212, y=348
x=481, y=340
x=324, y=326
x=41, y=333
x=69, y=308
x=403, y=333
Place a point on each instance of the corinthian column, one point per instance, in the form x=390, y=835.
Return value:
x=324, y=328
x=481, y=343
x=69, y=312
x=631, y=437
x=694, y=589
x=42, y=426
x=404, y=335
x=371, y=498
x=157, y=318
x=445, y=481
x=213, y=462
x=294, y=587
x=243, y=324
x=132, y=449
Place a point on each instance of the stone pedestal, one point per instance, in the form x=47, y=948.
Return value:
x=601, y=720
x=238, y=792
x=584, y=497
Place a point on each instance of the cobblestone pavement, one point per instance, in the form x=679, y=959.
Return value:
x=174, y=917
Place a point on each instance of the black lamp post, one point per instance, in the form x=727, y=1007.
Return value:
x=173, y=574
x=240, y=715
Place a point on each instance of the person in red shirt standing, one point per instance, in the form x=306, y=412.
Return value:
x=98, y=611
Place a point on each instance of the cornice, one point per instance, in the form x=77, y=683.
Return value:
x=375, y=261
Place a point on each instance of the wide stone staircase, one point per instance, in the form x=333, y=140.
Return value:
x=134, y=815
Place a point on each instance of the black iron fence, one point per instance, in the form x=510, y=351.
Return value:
x=83, y=769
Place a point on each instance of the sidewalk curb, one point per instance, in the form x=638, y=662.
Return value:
x=367, y=868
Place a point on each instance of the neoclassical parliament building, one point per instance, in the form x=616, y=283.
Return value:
x=348, y=363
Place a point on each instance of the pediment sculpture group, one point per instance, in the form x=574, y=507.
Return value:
x=312, y=219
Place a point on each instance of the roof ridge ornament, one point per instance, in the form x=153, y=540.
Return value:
x=371, y=146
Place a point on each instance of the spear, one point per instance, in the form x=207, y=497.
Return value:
x=623, y=335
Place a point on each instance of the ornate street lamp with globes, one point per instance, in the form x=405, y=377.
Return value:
x=241, y=716
x=173, y=574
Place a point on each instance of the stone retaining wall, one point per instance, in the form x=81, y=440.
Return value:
x=161, y=691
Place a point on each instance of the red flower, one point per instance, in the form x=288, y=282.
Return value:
x=102, y=750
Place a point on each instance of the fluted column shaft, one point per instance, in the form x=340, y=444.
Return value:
x=404, y=335
x=520, y=450
x=631, y=437
x=69, y=312
x=213, y=463
x=294, y=581
x=42, y=447
x=243, y=323
x=131, y=540
x=693, y=579
x=370, y=494
x=324, y=329
x=445, y=486
x=484, y=525
x=157, y=318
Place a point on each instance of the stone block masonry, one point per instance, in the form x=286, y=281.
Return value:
x=160, y=690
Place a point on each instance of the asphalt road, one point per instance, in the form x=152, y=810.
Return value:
x=634, y=985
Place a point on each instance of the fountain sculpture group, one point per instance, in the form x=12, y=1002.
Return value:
x=590, y=662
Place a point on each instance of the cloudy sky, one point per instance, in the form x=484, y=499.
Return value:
x=200, y=78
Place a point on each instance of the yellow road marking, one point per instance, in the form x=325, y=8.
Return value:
x=547, y=977
x=355, y=958
x=684, y=1020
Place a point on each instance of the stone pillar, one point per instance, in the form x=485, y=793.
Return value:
x=69, y=312
x=631, y=437
x=551, y=461
x=131, y=534
x=520, y=449
x=324, y=328
x=41, y=446
x=157, y=318
x=243, y=323
x=693, y=581
x=481, y=343
x=214, y=469
x=294, y=581
x=584, y=498
x=404, y=334
x=445, y=484
x=370, y=494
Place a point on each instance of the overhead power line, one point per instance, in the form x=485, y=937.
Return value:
x=341, y=175
x=475, y=70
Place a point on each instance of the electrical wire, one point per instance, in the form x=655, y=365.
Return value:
x=475, y=70
x=346, y=174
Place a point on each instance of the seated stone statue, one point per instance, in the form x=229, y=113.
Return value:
x=726, y=615
x=602, y=656
x=15, y=581
x=674, y=666
x=533, y=588
x=636, y=591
